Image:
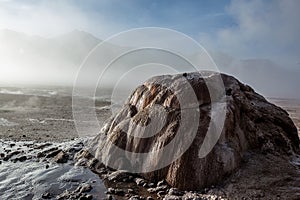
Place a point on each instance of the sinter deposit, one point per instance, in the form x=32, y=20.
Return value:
x=252, y=127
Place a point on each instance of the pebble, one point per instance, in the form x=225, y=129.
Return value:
x=161, y=193
x=136, y=197
x=46, y=195
x=84, y=188
x=118, y=192
x=157, y=189
x=162, y=182
x=86, y=197
x=176, y=192
x=61, y=157
x=40, y=155
x=12, y=145
x=92, y=163
x=78, y=193
x=145, y=185
x=151, y=185
x=139, y=181
x=110, y=190
x=119, y=175
x=131, y=191
x=21, y=158
x=41, y=146
x=172, y=197
x=8, y=156
x=53, y=153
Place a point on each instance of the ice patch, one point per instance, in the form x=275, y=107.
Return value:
x=103, y=108
x=49, y=119
x=52, y=92
x=35, y=176
x=5, y=91
x=30, y=180
x=5, y=122
x=36, y=121
x=54, y=119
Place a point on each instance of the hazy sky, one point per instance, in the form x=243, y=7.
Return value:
x=243, y=29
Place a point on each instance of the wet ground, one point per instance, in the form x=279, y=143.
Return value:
x=38, y=142
x=41, y=115
x=31, y=170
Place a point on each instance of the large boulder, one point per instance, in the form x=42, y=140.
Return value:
x=251, y=123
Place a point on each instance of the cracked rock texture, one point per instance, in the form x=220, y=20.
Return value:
x=251, y=124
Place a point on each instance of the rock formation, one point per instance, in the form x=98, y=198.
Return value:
x=251, y=124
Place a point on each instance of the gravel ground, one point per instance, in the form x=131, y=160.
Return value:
x=41, y=118
x=38, y=141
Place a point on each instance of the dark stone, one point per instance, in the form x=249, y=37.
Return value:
x=176, y=192
x=12, y=145
x=139, y=181
x=53, y=153
x=61, y=157
x=161, y=193
x=10, y=155
x=46, y=195
x=85, y=188
x=110, y=197
x=160, y=183
x=40, y=155
x=119, y=175
x=21, y=158
x=136, y=197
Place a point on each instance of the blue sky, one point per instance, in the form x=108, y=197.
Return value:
x=243, y=29
x=185, y=16
x=106, y=17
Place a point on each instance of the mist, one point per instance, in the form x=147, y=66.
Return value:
x=45, y=43
x=34, y=60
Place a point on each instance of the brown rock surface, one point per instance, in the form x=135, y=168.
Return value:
x=251, y=124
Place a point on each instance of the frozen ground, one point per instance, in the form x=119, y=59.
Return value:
x=31, y=170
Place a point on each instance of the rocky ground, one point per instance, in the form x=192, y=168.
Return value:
x=40, y=158
x=30, y=117
x=31, y=170
x=251, y=181
x=42, y=165
x=255, y=157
